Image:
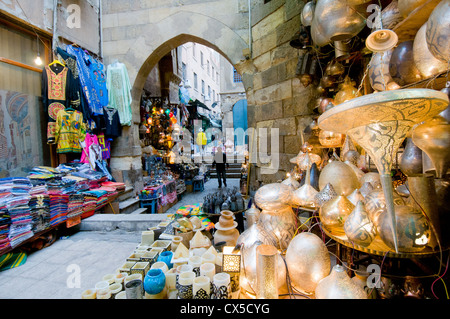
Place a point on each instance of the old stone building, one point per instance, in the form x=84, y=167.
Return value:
x=253, y=35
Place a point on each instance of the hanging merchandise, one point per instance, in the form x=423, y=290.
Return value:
x=70, y=131
x=57, y=93
x=91, y=150
x=201, y=138
x=90, y=72
x=80, y=103
x=105, y=144
x=119, y=90
x=111, y=126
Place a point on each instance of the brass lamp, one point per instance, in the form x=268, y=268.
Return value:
x=231, y=264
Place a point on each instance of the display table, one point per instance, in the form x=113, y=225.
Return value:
x=69, y=222
x=166, y=193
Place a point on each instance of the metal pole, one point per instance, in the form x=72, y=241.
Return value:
x=100, y=19
x=55, y=19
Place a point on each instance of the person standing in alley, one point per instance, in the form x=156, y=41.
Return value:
x=219, y=163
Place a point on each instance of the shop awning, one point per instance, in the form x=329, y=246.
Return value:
x=197, y=103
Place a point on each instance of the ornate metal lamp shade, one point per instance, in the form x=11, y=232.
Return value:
x=231, y=264
x=308, y=261
x=273, y=196
x=383, y=122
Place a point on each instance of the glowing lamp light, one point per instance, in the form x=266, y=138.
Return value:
x=231, y=262
x=38, y=60
x=148, y=130
x=149, y=121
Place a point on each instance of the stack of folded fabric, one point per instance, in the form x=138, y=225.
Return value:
x=20, y=186
x=120, y=187
x=40, y=212
x=58, y=207
x=101, y=195
x=81, y=183
x=63, y=186
x=21, y=220
x=90, y=202
x=38, y=190
x=5, y=222
x=75, y=205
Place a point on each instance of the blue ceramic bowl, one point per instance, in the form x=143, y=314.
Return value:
x=166, y=257
x=154, y=281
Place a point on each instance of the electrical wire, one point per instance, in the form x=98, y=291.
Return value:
x=440, y=278
x=29, y=22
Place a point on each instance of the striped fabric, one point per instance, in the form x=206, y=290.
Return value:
x=12, y=260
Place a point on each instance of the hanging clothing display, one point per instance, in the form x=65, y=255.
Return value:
x=57, y=93
x=89, y=72
x=91, y=150
x=111, y=127
x=119, y=90
x=70, y=131
x=80, y=104
x=105, y=145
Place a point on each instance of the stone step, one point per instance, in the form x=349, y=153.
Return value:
x=139, y=211
x=128, y=206
x=128, y=193
x=126, y=222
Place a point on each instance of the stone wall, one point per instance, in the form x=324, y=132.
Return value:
x=278, y=99
x=140, y=32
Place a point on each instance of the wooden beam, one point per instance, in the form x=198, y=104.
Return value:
x=21, y=65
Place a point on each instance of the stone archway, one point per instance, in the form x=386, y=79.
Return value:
x=148, y=49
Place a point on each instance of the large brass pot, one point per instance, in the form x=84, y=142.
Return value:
x=425, y=61
x=307, y=14
x=433, y=137
x=405, y=7
x=358, y=227
x=281, y=224
x=375, y=204
x=338, y=285
x=335, y=21
x=341, y=176
x=438, y=31
x=411, y=161
x=413, y=229
x=273, y=196
x=308, y=261
x=402, y=67
x=379, y=77
x=334, y=213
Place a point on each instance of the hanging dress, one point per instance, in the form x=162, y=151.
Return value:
x=70, y=131
x=80, y=104
x=119, y=90
x=57, y=93
x=85, y=72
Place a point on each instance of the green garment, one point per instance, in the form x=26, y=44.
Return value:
x=119, y=91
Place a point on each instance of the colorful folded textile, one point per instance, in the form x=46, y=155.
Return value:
x=12, y=260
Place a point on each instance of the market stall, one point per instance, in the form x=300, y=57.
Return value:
x=49, y=198
x=362, y=214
